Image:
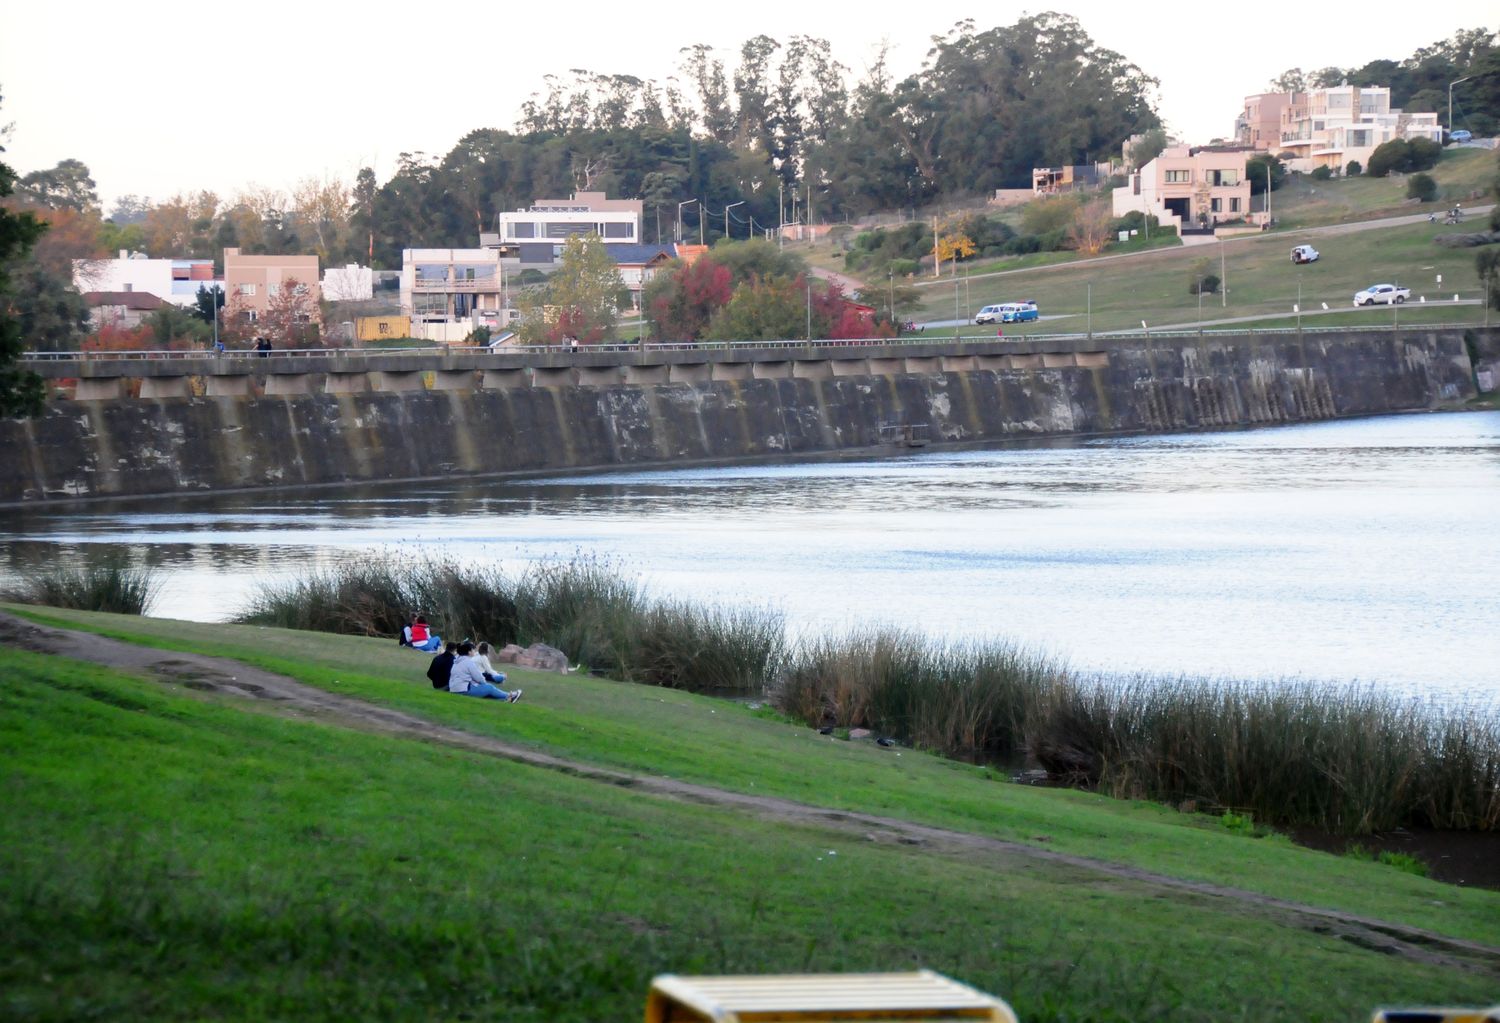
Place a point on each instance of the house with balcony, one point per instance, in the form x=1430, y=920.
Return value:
x=1330, y=127
x=1189, y=189
x=1259, y=122
x=448, y=293
x=172, y=280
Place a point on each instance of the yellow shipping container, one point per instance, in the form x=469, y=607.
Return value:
x=381, y=328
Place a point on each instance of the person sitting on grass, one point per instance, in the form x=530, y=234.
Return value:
x=467, y=678
x=482, y=653
x=418, y=636
x=441, y=668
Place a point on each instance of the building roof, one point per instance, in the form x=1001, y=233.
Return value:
x=638, y=254
x=140, y=300
x=689, y=253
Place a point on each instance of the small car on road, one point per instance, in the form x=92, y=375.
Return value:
x=1384, y=294
x=1462, y=135
x=1304, y=254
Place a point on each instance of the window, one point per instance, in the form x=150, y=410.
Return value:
x=1216, y=205
x=1234, y=205
x=523, y=230
x=625, y=230
x=1179, y=176
x=247, y=289
x=1223, y=177
x=129, y=287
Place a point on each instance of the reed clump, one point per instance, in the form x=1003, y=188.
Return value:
x=1288, y=752
x=111, y=584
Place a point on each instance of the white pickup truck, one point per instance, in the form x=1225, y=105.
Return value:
x=1388, y=294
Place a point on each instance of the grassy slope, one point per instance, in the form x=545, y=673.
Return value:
x=664, y=732
x=1262, y=280
x=171, y=857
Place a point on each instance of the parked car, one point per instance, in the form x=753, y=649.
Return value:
x=1304, y=254
x=1386, y=294
x=1019, y=312
x=1462, y=135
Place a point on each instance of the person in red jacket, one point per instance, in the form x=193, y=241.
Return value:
x=419, y=636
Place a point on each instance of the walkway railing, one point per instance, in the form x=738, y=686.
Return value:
x=935, y=338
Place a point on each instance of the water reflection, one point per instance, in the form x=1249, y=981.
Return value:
x=1350, y=550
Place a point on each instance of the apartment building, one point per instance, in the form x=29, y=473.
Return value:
x=1329, y=127
x=171, y=280
x=251, y=282
x=1259, y=123
x=1189, y=188
x=447, y=293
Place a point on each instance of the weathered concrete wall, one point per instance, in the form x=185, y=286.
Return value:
x=192, y=444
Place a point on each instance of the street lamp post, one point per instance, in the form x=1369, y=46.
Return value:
x=1090, y=313
x=726, y=216
x=680, y=205
x=1451, y=84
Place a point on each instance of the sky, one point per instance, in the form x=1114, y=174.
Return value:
x=159, y=98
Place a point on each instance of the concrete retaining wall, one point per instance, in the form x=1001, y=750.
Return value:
x=194, y=444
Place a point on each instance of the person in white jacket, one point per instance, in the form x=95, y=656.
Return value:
x=467, y=678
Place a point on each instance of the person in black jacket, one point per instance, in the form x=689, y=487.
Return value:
x=441, y=666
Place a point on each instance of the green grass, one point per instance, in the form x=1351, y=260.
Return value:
x=172, y=857
x=665, y=732
x=1303, y=202
x=1260, y=282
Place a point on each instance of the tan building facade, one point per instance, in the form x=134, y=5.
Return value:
x=1186, y=187
x=251, y=282
x=1332, y=126
x=1259, y=123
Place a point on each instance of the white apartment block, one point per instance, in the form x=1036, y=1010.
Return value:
x=171, y=280
x=1329, y=127
x=534, y=237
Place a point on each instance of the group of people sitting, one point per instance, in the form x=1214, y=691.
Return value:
x=462, y=668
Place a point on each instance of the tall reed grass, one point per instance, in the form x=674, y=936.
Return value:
x=1290, y=753
x=109, y=584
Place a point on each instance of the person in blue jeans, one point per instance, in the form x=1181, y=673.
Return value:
x=419, y=636
x=467, y=678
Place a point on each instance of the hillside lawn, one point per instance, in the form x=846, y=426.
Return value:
x=1153, y=283
x=174, y=855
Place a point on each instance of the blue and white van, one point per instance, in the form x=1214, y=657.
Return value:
x=1018, y=312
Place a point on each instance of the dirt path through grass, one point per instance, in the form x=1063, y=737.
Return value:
x=235, y=679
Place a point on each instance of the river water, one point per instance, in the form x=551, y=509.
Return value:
x=1359, y=551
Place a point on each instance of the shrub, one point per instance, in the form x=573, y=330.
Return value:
x=1388, y=156
x=109, y=584
x=1208, y=284
x=1421, y=186
x=1354, y=169
x=1422, y=154
x=1321, y=173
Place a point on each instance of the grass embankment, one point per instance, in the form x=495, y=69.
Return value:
x=1292, y=754
x=1461, y=174
x=1261, y=282
x=173, y=856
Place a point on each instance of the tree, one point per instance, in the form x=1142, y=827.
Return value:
x=67, y=186
x=21, y=391
x=1148, y=146
x=1255, y=171
x=953, y=246
x=1388, y=156
x=581, y=300
x=208, y=303
x=1092, y=227
x=1291, y=80
x=683, y=298
x=291, y=315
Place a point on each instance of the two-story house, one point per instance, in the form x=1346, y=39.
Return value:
x=447, y=293
x=252, y=282
x=1185, y=187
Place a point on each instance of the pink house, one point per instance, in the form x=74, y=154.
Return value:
x=1186, y=187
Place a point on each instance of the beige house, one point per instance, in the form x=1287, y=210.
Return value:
x=1259, y=123
x=250, y=282
x=1330, y=127
x=1189, y=188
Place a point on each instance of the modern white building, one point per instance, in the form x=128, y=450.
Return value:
x=447, y=293
x=349, y=283
x=1332, y=126
x=534, y=237
x=171, y=280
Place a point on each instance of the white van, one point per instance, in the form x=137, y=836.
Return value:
x=989, y=314
x=1304, y=254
